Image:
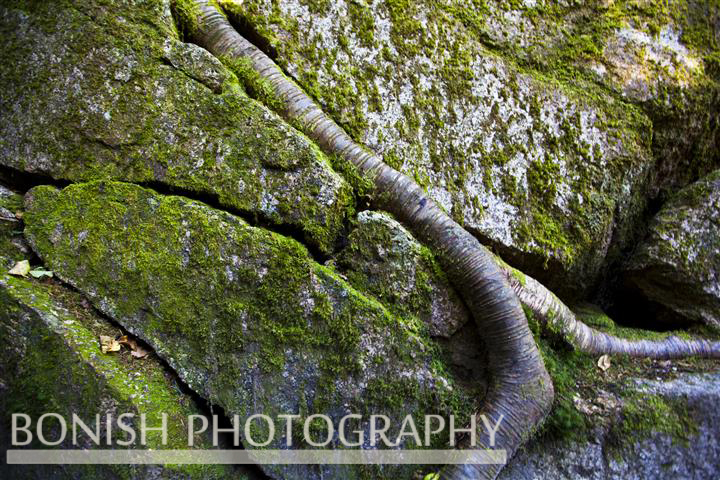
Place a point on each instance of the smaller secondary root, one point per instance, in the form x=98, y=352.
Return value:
x=554, y=315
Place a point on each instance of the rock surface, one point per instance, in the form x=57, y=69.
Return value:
x=383, y=259
x=52, y=362
x=105, y=90
x=678, y=264
x=691, y=454
x=551, y=173
x=662, y=56
x=244, y=315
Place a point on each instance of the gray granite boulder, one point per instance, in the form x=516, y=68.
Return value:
x=681, y=439
x=550, y=173
x=678, y=265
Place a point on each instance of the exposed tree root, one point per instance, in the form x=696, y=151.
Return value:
x=521, y=390
x=557, y=317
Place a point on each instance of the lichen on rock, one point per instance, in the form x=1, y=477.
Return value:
x=662, y=56
x=550, y=173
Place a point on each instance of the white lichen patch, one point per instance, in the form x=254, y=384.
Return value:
x=641, y=62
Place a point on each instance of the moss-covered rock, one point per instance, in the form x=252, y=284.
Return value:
x=383, y=259
x=243, y=315
x=106, y=90
x=51, y=362
x=551, y=173
x=660, y=429
x=638, y=419
x=678, y=264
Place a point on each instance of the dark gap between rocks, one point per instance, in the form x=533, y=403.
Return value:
x=24, y=181
x=632, y=308
x=254, y=219
x=21, y=182
x=622, y=301
x=625, y=304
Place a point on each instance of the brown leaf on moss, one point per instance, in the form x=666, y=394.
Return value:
x=128, y=342
x=136, y=350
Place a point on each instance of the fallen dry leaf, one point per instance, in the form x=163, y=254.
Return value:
x=139, y=352
x=604, y=362
x=128, y=342
x=109, y=344
x=136, y=350
x=20, y=269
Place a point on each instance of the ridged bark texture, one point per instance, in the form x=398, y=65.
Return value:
x=557, y=317
x=520, y=390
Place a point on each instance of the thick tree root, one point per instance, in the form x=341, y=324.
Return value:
x=554, y=315
x=521, y=390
